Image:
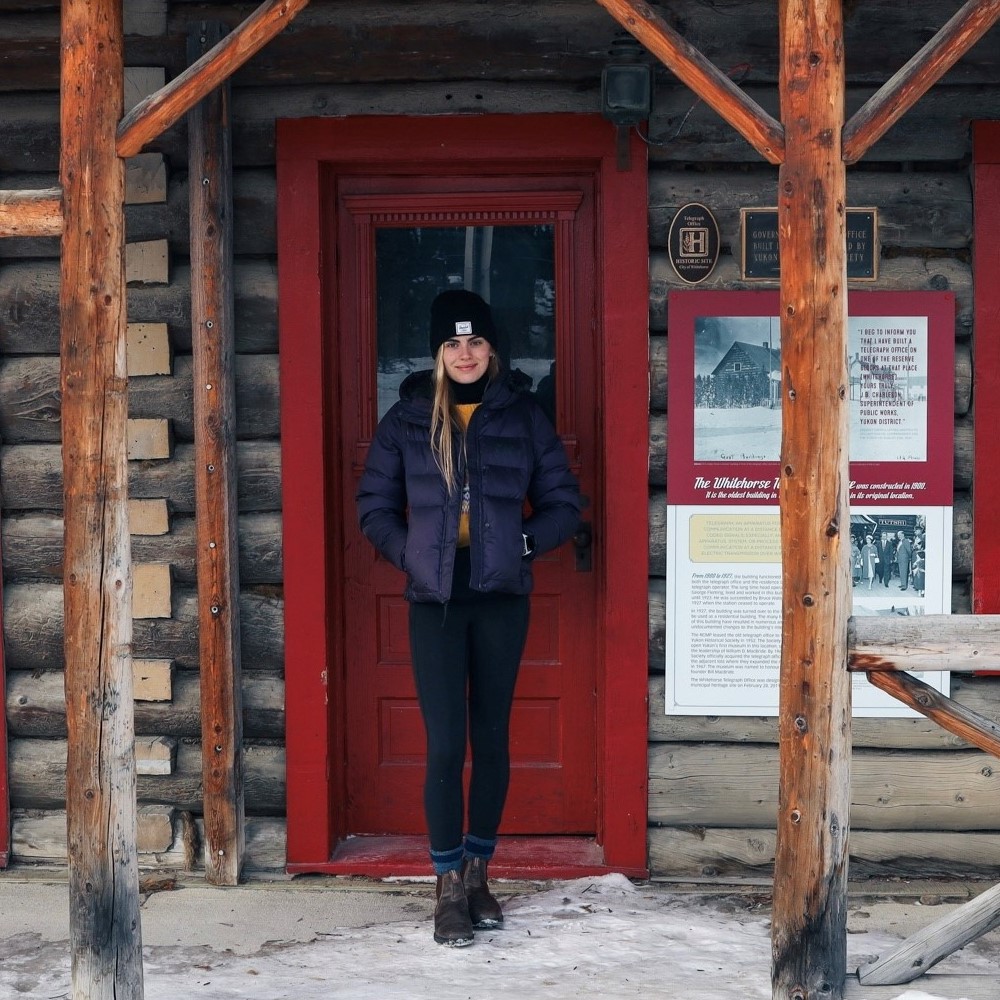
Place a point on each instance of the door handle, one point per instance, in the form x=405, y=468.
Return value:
x=583, y=546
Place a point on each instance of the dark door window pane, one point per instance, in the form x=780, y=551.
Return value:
x=511, y=267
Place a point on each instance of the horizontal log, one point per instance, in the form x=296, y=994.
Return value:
x=737, y=785
x=681, y=129
x=925, y=948
x=916, y=211
x=36, y=706
x=904, y=274
x=39, y=836
x=30, y=397
x=517, y=38
x=961, y=539
x=926, y=642
x=31, y=213
x=658, y=376
x=32, y=478
x=33, y=549
x=961, y=605
x=38, y=777
x=979, y=694
x=33, y=630
x=732, y=853
x=29, y=304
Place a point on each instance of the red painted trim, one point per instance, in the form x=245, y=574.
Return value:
x=517, y=857
x=986, y=365
x=4, y=777
x=303, y=447
x=554, y=142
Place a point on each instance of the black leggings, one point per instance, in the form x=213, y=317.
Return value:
x=465, y=661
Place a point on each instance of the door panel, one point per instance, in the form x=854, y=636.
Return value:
x=526, y=244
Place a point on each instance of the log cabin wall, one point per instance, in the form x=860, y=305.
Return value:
x=923, y=801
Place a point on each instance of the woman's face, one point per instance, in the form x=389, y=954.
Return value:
x=466, y=359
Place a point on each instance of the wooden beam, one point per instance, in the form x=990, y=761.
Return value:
x=709, y=82
x=105, y=938
x=809, y=924
x=884, y=108
x=31, y=213
x=212, y=311
x=948, y=714
x=962, y=643
x=154, y=115
x=923, y=950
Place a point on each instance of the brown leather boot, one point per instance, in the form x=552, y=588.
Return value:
x=483, y=908
x=452, y=926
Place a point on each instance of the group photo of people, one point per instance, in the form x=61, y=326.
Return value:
x=888, y=554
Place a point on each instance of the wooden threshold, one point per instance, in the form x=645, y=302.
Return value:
x=516, y=858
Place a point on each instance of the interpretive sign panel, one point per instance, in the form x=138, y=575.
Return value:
x=724, y=433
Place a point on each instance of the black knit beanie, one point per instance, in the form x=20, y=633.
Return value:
x=460, y=313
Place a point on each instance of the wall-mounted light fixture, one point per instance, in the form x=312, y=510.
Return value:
x=626, y=91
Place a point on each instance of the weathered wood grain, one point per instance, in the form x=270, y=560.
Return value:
x=682, y=129
x=910, y=83
x=737, y=785
x=29, y=305
x=904, y=273
x=40, y=836
x=727, y=853
x=931, y=642
x=947, y=713
x=30, y=399
x=924, y=949
x=978, y=694
x=32, y=549
x=32, y=478
x=37, y=767
x=808, y=926
x=217, y=528
x=156, y=113
x=36, y=706
x=566, y=39
x=916, y=211
x=97, y=773
x=33, y=619
x=961, y=604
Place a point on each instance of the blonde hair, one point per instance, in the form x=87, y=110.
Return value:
x=442, y=425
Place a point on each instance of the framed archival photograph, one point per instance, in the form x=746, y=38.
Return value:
x=725, y=386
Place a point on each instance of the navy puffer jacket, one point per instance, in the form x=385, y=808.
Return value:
x=513, y=453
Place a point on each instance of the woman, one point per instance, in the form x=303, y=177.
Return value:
x=869, y=561
x=443, y=499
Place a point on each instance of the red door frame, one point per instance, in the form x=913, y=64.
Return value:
x=986, y=365
x=307, y=149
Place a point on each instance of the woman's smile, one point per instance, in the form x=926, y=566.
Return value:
x=466, y=359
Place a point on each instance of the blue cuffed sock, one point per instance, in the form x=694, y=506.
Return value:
x=447, y=861
x=479, y=848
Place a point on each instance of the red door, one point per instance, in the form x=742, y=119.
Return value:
x=527, y=245
x=536, y=212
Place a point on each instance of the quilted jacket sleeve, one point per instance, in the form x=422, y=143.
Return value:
x=553, y=491
x=381, y=497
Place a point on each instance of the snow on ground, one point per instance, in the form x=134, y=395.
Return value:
x=589, y=937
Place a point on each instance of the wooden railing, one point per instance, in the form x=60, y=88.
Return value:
x=887, y=649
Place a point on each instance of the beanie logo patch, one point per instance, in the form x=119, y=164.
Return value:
x=463, y=328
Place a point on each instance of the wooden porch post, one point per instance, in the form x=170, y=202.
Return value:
x=213, y=338
x=814, y=729
x=105, y=938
